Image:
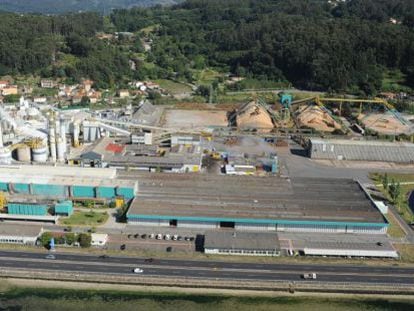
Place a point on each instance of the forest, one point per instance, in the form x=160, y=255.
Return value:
x=313, y=44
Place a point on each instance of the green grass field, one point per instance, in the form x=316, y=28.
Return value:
x=90, y=218
x=402, y=205
x=173, y=87
x=68, y=300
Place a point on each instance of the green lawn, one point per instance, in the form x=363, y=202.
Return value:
x=89, y=218
x=34, y=299
x=402, y=205
x=173, y=87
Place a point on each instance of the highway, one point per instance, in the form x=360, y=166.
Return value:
x=217, y=270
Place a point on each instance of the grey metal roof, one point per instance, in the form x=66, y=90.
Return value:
x=335, y=149
x=20, y=230
x=241, y=240
x=237, y=197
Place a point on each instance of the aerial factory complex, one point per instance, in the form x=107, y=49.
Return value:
x=222, y=185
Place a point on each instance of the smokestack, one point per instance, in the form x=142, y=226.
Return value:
x=52, y=140
x=63, y=132
x=1, y=136
x=76, y=130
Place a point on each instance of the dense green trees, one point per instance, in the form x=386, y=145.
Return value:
x=39, y=44
x=337, y=46
x=314, y=44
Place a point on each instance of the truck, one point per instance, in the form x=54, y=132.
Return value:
x=309, y=276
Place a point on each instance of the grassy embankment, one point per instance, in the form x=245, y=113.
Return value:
x=33, y=299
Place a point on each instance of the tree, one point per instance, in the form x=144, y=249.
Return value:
x=45, y=239
x=385, y=181
x=84, y=240
x=70, y=238
x=395, y=192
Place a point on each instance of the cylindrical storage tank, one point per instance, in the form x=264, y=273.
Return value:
x=39, y=154
x=76, y=130
x=23, y=154
x=60, y=150
x=93, y=133
x=5, y=156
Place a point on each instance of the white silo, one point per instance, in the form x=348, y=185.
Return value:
x=39, y=153
x=76, y=130
x=63, y=132
x=60, y=150
x=52, y=140
x=23, y=154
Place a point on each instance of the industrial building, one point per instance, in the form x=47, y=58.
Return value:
x=241, y=243
x=108, y=152
x=69, y=183
x=24, y=235
x=337, y=245
x=255, y=204
x=361, y=150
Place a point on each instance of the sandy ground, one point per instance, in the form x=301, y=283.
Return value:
x=12, y=282
x=185, y=119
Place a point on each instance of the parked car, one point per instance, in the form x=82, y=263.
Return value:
x=136, y=236
x=175, y=237
x=123, y=247
x=152, y=236
x=143, y=236
x=167, y=237
x=159, y=236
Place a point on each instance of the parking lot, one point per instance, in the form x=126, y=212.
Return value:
x=153, y=241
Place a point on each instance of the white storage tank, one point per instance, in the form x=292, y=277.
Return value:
x=76, y=130
x=23, y=154
x=60, y=150
x=5, y=156
x=39, y=154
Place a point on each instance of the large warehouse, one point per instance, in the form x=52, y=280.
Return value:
x=255, y=203
x=64, y=183
x=361, y=150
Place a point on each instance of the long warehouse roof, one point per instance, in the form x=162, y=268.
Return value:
x=254, y=199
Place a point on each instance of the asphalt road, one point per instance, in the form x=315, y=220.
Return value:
x=79, y=264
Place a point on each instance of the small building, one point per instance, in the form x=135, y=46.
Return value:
x=20, y=234
x=99, y=239
x=47, y=84
x=185, y=139
x=10, y=90
x=141, y=138
x=237, y=169
x=241, y=243
x=64, y=208
x=3, y=84
x=123, y=93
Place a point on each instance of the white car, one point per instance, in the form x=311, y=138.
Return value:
x=167, y=237
x=159, y=236
x=138, y=270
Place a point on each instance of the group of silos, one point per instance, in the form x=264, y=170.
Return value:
x=57, y=139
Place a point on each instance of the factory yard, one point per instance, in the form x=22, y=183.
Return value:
x=190, y=119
